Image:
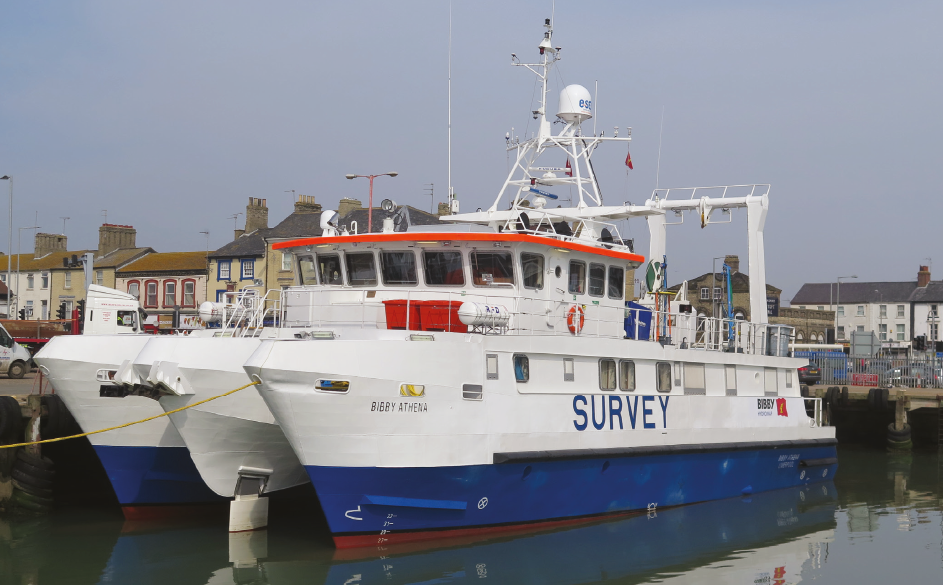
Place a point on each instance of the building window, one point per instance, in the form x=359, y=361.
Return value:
x=286, y=261
x=29, y=309
x=841, y=310
x=883, y=330
x=44, y=279
x=44, y=309
x=860, y=312
x=189, y=293
x=717, y=292
x=68, y=309
x=933, y=312
x=705, y=293
x=170, y=293
x=860, y=328
x=222, y=269
x=134, y=289
x=68, y=280
x=900, y=332
x=248, y=269
x=30, y=281
x=883, y=311
x=820, y=307
x=3, y=278
x=150, y=288
x=100, y=277
x=841, y=331
x=934, y=332
x=900, y=311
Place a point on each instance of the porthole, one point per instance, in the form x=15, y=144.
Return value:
x=558, y=272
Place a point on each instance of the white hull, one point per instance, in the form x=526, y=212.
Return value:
x=228, y=434
x=71, y=363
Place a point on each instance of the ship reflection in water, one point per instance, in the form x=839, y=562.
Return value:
x=784, y=530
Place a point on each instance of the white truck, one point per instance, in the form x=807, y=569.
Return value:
x=109, y=311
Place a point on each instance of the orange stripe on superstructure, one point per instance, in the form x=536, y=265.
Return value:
x=458, y=237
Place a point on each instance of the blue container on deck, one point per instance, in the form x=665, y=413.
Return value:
x=635, y=312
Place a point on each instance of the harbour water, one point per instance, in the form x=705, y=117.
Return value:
x=880, y=521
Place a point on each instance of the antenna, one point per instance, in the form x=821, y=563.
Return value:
x=293, y=199
x=450, y=107
x=431, y=190
x=662, y=129
x=63, y=223
x=207, y=234
x=234, y=217
x=595, y=105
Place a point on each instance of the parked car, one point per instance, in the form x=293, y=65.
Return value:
x=913, y=376
x=810, y=374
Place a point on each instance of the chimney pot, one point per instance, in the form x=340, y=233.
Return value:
x=923, y=276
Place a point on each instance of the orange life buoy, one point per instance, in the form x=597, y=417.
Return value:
x=575, y=325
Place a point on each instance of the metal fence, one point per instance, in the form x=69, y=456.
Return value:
x=883, y=371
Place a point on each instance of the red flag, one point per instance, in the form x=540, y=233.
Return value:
x=628, y=160
x=569, y=169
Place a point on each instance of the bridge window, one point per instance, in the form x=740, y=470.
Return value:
x=597, y=280
x=577, y=284
x=607, y=374
x=361, y=269
x=663, y=376
x=532, y=270
x=489, y=268
x=443, y=268
x=399, y=268
x=616, y=282
x=627, y=375
x=329, y=265
x=306, y=270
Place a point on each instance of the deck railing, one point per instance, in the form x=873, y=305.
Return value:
x=535, y=316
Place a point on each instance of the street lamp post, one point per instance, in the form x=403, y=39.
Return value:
x=10, y=245
x=370, y=203
x=18, y=238
x=838, y=301
x=880, y=315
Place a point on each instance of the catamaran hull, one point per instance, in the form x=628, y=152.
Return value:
x=147, y=463
x=228, y=435
x=374, y=506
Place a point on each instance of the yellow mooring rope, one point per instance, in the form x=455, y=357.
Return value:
x=137, y=422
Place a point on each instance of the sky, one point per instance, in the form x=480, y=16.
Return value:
x=171, y=114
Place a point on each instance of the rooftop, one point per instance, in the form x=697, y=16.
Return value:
x=823, y=293
x=167, y=262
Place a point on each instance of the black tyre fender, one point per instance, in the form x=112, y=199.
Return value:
x=885, y=397
x=17, y=370
x=832, y=396
x=33, y=471
x=32, y=490
x=51, y=423
x=28, y=480
x=804, y=390
x=873, y=399
x=844, y=395
x=9, y=420
x=44, y=463
x=902, y=435
x=31, y=502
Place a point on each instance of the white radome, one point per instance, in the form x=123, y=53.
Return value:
x=576, y=104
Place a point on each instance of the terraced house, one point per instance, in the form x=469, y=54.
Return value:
x=165, y=283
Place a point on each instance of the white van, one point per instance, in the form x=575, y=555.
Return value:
x=14, y=358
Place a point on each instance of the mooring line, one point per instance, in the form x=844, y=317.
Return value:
x=137, y=422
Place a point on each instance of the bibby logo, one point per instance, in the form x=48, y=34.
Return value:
x=781, y=407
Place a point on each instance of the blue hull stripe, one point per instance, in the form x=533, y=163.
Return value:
x=154, y=475
x=552, y=489
x=414, y=503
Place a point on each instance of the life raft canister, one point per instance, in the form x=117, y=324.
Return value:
x=574, y=323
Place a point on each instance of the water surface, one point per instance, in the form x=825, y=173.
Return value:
x=880, y=521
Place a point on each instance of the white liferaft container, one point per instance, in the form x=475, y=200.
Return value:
x=478, y=315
